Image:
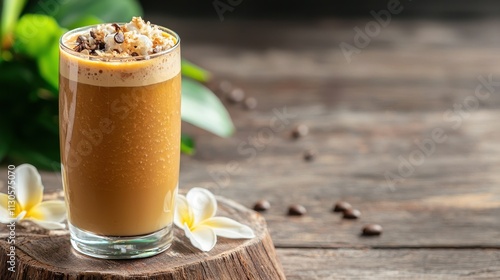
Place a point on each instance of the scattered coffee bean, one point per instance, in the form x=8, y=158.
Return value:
x=309, y=154
x=92, y=34
x=296, y=210
x=225, y=86
x=119, y=38
x=372, y=230
x=236, y=96
x=250, y=103
x=341, y=206
x=351, y=214
x=300, y=130
x=134, y=54
x=262, y=205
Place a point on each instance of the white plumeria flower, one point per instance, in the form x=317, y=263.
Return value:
x=195, y=214
x=28, y=201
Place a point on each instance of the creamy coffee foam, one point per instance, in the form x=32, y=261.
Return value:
x=82, y=61
x=127, y=73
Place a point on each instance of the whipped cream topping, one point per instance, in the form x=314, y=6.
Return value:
x=136, y=38
x=158, y=55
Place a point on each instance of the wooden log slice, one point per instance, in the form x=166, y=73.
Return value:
x=41, y=254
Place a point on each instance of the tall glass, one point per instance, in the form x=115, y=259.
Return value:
x=120, y=128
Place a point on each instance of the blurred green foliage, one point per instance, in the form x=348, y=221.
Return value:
x=29, y=62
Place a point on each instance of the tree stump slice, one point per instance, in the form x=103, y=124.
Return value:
x=41, y=254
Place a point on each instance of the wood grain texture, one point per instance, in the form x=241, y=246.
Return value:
x=363, y=116
x=41, y=255
x=315, y=264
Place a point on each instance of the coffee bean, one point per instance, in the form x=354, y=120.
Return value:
x=351, y=214
x=296, y=210
x=300, y=130
x=92, y=34
x=236, y=96
x=262, y=205
x=100, y=45
x=81, y=39
x=250, y=103
x=116, y=26
x=119, y=38
x=134, y=54
x=372, y=230
x=309, y=154
x=341, y=206
x=225, y=87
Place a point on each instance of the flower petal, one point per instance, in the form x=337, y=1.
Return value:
x=8, y=214
x=203, y=203
x=202, y=237
x=229, y=228
x=183, y=213
x=49, y=211
x=29, y=188
x=47, y=224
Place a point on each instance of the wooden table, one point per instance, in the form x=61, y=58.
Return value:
x=441, y=218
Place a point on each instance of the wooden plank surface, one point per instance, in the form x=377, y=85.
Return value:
x=363, y=118
x=315, y=264
x=41, y=255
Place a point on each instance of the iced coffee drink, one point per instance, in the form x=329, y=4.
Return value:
x=119, y=110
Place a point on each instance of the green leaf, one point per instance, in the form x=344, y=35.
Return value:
x=27, y=155
x=35, y=34
x=73, y=11
x=202, y=108
x=48, y=64
x=194, y=72
x=11, y=9
x=15, y=80
x=187, y=145
x=5, y=140
x=85, y=21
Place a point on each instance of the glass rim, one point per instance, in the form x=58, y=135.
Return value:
x=70, y=51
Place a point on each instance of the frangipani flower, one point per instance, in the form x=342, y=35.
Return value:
x=28, y=201
x=195, y=214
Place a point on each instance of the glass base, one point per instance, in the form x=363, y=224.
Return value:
x=120, y=247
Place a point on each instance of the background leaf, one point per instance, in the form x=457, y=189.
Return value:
x=85, y=21
x=187, y=145
x=48, y=64
x=35, y=34
x=20, y=154
x=11, y=9
x=202, y=108
x=194, y=72
x=74, y=11
x=5, y=140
